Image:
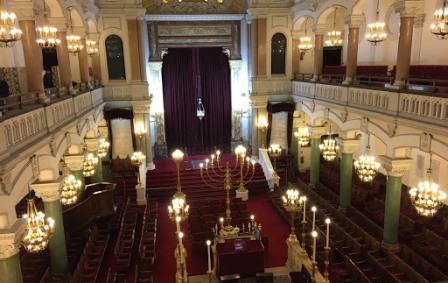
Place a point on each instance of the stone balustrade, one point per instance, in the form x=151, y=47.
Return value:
x=28, y=127
x=273, y=86
x=421, y=107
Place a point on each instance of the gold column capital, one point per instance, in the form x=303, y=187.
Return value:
x=408, y=8
x=395, y=167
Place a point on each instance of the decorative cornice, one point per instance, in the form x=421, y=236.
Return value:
x=317, y=131
x=395, y=167
x=408, y=8
x=74, y=162
x=10, y=239
x=235, y=64
x=354, y=21
x=182, y=18
x=48, y=191
x=348, y=146
x=91, y=144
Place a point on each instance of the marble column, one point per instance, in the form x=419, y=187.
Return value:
x=348, y=147
x=50, y=193
x=255, y=143
x=318, y=55
x=253, y=57
x=419, y=22
x=75, y=164
x=10, y=241
x=396, y=168
x=407, y=10
x=261, y=45
x=33, y=58
x=96, y=67
x=295, y=56
x=134, y=49
x=65, y=73
x=83, y=59
x=352, y=49
x=316, y=133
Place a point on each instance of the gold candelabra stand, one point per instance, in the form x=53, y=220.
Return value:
x=178, y=157
x=293, y=203
x=216, y=174
x=178, y=212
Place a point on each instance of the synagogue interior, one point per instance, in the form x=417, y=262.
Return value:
x=200, y=141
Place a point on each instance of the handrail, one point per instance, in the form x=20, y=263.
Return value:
x=268, y=169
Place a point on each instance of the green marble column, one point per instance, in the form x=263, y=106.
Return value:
x=78, y=174
x=98, y=175
x=10, y=271
x=345, y=182
x=57, y=245
x=295, y=150
x=315, y=161
x=392, y=211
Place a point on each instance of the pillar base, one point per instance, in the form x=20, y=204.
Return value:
x=390, y=248
x=315, y=78
x=141, y=194
x=43, y=98
x=397, y=85
x=243, y=195
x=150, y=166
x=347, y=81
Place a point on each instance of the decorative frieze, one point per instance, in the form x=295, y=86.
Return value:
x=48, y=191
x=395, y=167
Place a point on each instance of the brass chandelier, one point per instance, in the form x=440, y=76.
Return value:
x=90, y=161
x=427, y=196
x=440, y=25
x=137, y=158
x=305, y=41
x=92, y=47
x=366, y=167
x=329, y=147
x=375, y=31
x=9, y=30
x=38, y=229
x=71, y=188
x=292, y=202
x=334, y=37
x=303, y=136
x=103, y=147
x=74, y=44
x=47, y=35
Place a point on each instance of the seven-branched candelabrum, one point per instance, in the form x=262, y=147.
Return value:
x=216, y=174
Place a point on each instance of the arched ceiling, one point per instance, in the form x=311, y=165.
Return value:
x=194, y=7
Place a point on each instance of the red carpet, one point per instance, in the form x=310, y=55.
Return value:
x=272, y=224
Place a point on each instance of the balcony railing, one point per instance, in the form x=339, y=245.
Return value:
x=414, y=85
x=415, y=106
x=31, y=120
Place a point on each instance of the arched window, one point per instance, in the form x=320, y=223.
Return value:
x=115, y=57
x=278, y=54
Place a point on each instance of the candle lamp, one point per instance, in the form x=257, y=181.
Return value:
x=314, y=263
x=209, y=270
x=275, y=151
x=304, y=222
x=327, y=250
x=314, y=209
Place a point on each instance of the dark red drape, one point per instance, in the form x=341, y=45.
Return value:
x=189, y=73
x=280, y=107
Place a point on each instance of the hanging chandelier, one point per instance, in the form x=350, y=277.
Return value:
x=9, y=30
x=74, y=44
x=92, y=48
x=38, y=229
x=70, y=188
x=303, y=136
x=375, y=31
x=47, y=37
x=305, y=41
x=440, y=25
x=366, y=167
x=427, y=196
x=334, y=37
x=103, y=147
x=90, y=161
x=200, y=110
x=329, y=148
x=137, y=158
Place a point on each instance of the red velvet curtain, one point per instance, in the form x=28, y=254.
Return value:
x=187, y=74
